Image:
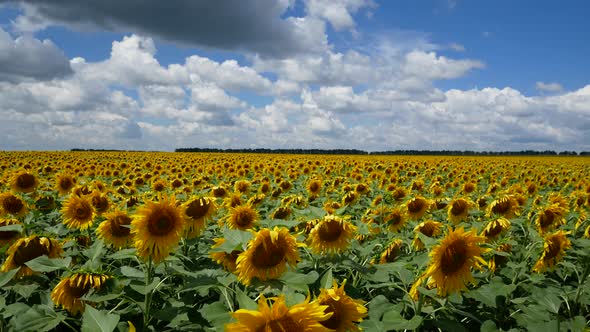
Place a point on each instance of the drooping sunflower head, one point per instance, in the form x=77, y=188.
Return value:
x=267, y=255
x=399, y=193
x=332, y=235
x=78, y=212
x=451, y=261
x=227, y=260
x=11, y=204
x=346, y=311
x=26, y=249
x=116, y=229
x=557, y=198
x=391, y=252
x=303, y=317
x=64, y=183
x=232, y=200
x=554, y=249
x=314, y=187
x=428, y=228
x=256, y=199
x=159, y=185
x=242, y=186
x=550, y=217
x=495, y=227
x=24, y=182
x=395, y=219
x=458, y=210
x=157, y=228
x=69, y=290
x=506, y=207
x=219, y=191
x=9, y=236
x=349, y=198
x=417, y=207
x=197, y=211
x=242, y=217
x=282, y=212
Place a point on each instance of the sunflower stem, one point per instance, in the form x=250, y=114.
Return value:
x=148, y=294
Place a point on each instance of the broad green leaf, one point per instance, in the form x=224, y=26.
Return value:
x=488, y=326
x=141, y=288
x=5, y=277
x=234, y=240
x=327, y=279
x=40, y=318
x=12, y=228
x=46, y=264
x=124, y=254
x=244, y=301
x=132, y=272
x=216, y=313
x=394, y=321
x=487, y=294
x=98, y=321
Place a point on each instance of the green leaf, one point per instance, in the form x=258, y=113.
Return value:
x=488, y=326
x=124, y=254
x=5, y=277
x=141, y=288
x=244, y=301
x=40, y=318
x=95, y=320
x=550, y=301
x=487, y=294
x=576, y=324
x=216, y=313
x=235, y=239
x=327, y=279
x=377, y=306
x=394, y=321
x=131, y=272
x=95, y=253
x=12, y=228
x=46, y=264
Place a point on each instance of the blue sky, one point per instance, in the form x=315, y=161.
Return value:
x=374, y=75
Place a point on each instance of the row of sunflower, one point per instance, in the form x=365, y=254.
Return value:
x=158, y=241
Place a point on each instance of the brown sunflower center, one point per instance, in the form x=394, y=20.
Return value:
x=495, y=229
x=330, y=231
x=12, y=204
x=66, y=183
x=243, y=217
x=161, y=225
x=283, y=324
x=553, y=249
x=335, y=320
x=25, y=181
x=502, y=207
x=458, y=208
x=314, y=187
x=268, y=254
x=101, y=203
x=8, y=234
x=116, y=224
x=454, y=257
x=197, y=208
x=427, y=229
x=82, y=212
x=78, y=291
x=416, y=206
x=281, y=213
x=395, y=218
x=30, y=250
x=546, y=218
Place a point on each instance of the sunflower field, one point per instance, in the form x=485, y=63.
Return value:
x=137, y=241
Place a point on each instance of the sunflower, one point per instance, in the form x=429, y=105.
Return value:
x=302, y=317
x=64, y=183
x=242, y=186
x=13, y=205
x=391, y=252
x=197, y=211
x=159, y=185
x=550, y=217
x=227, y=260
x=458, y=210
x=346, y=311
x=395, y=219
x=587, y=232
x=332, y=235
x=506, y=207
x=8, y=237
x=157, y=228
x=256, y=199
x=361, y=188
x=219, y=191
x=26, y=249
x=100, y=202
x=116, y=229
x=241, y=217
x=314, y=187
x=267, y=255
x=77, y=212
x=282, y=212
x=553, y=251
x=451, y=261
x=233, y=200
x=499, y=260
x=24, y=182
x=70, y=289
x=349, y=198
x=429, y=228
x=495, y=227
x=417, y=207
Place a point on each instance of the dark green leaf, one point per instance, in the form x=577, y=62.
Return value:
x=5, y=277
x=95, y=320
x=132, y=272
x=46, y=264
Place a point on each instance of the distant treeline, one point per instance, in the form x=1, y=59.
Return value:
x=395, y=152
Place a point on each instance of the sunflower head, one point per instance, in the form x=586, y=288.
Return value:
x=157, y=228
x=314, y=187
x=346, y=311
x=428, y=228
x=305, y=316
x=233, y=200
x=506, y=207
x=64, y=183
x=267, y=255
x=417, y=207
x=282, y=212
x=550, y=217
x=391, y=252
x=100, y=202
x=197, y=211
x=11, y=204
x=26, y=249
x=495, y=227
x=242, y=186
x=24, y=182
x=451, y=261
x=332, y=235
x=395, y=219
x=116, y=229
x=458, y=210
x=225, y=259
x=78, y=212
x=242, y=217
x=554, y=249
x=70, y=289
x=8, y=237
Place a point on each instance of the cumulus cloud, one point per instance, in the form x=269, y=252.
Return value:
x=254, y=26
x=338, y=12
x=27, y=58
x=548, y=87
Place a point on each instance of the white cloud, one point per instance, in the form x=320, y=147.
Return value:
x=338, y=12
x=548, y=87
